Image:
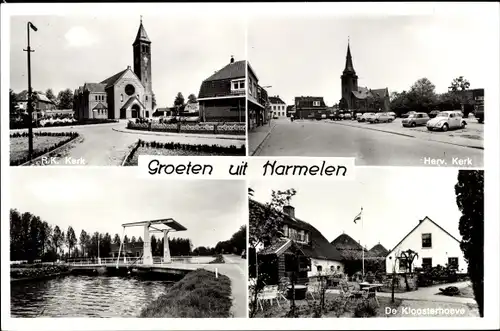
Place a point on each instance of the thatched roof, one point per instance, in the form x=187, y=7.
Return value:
x=345, y=242
x=379, y=250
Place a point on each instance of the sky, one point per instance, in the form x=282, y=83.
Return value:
x=102, y=199
x=393, y=202
x=72, y=50
x=303, y=56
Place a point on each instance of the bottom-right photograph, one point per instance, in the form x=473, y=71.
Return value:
x=394, y=242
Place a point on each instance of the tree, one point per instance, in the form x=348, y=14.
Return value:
x=179, y=102
x=192, y=98
x=408, y=257
x=83, y=241
x=265, y=225
x=70, y=239
x=50, y=95
x=65, y=99
x=116, y=239
x=139, y=240
x=469, y=192
x=14, y=108
x=422, y=95
x=57, y=238
x=132, y=240
x=250, y=192
x=459, y=84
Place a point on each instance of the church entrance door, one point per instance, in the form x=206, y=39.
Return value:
x=123, y=113
x=135, y=111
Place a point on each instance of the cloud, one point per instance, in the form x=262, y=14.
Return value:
x=78, y=36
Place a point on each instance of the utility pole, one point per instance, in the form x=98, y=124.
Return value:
x=30, y=94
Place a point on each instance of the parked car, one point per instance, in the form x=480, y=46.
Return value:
x=408, y=114
x=381, y=118
x=392, y=114
x=415, y=120
x=365, y=117
x=335, y=116
x=446, y=120
x=358, y=116
x=347, y=116
x=433, y=113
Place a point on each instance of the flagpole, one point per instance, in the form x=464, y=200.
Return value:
x=362, y=247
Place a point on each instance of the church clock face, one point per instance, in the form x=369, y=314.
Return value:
x=145, y=59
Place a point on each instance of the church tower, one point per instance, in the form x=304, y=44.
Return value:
x=142, y=58
x=349, y=80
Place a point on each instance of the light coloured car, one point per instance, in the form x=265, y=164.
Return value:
x=446, y=120
x=347, y=116
x=365, y=117
x=358, y=116
x=392, y=114
x=408, y=114
x=415, y=120
x=381, y=118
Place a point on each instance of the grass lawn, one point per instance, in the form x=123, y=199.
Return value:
x=198, y=295
x=164, y=152
x=19, y=145
x=335, y=307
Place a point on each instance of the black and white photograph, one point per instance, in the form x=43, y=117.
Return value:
x=387, y=90
x=103, y=90
x=364, y=248
x=116, y=246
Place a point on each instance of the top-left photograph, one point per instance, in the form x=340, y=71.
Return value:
x=103, y=90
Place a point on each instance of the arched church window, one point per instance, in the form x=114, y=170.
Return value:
x=121, y=97
x=129, y=89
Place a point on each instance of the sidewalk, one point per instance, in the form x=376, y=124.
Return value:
x=195, y=135
x=396, y=128
x=257, y=137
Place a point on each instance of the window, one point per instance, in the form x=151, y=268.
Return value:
x=250, y=84
x=285, y=230
x=274, y=107
x=402, y=264
x=319, y=268
x=237, y=85
x=427, y=262
x=453, y=262
x=332, y=268
x=96, y=98
x=129, y=89
x=146, y=98
x=121, y=97
x=426, y=240
x=316, y=103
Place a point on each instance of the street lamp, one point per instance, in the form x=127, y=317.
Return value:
x=30, y=96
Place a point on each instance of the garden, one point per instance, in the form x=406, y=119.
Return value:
x=154, y=148
x=174, y=126
x=43, y=142
x=57, y=121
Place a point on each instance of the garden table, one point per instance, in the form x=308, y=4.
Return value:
x=300, y=292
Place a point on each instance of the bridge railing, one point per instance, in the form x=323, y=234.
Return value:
x=138, y=260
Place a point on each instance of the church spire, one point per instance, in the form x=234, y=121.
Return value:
x=142, y=36
x=349, y=68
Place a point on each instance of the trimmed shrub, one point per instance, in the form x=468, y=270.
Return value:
x=365, y=308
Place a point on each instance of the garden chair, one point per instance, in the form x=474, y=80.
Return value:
x=284, y=283
x=348, y=292
x=313, y=289
x=269, y=293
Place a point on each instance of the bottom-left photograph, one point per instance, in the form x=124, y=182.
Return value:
x=100, y=242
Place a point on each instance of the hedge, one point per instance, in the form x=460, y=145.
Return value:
x=203, y=128
x=36, y=153
x=15, y=125
x=215, y=149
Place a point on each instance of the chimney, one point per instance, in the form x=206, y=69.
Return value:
x=129, y=67
x=232, y=59
x=289, y=210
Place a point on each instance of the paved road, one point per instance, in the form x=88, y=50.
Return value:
x=374, y=148
x=236, y=269
x=102, y=146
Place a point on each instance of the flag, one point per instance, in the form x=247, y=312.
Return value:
x=358, y=217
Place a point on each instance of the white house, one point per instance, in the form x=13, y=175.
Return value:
x=434, y=246
x=278, y=107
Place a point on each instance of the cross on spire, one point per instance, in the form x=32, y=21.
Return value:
x=141, y=19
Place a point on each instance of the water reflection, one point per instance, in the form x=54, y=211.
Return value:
x=84, y=296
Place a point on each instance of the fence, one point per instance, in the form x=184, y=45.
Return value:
x=139, y=260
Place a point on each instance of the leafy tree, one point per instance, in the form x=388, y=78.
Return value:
x=459, y=84
x=70, y=239
x=57, y=238
x=126, y=240
x=422, y=95
x=65, y=99
x=139, y=240
x=50, y=95
x=105, y=242
x=14, y=108
x=469, y=192
x=116, y=239
x=132, y=240
x=83, y=241
x=179, y=102
x=192, y=98
x=265, y=222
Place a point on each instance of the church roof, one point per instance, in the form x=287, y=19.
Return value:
x=230, y=71
x=365, y=92
x=99, y=106
x=349, y=68
x=142, y=35
x=131, y=100
x=94, y=87
x=113, y=79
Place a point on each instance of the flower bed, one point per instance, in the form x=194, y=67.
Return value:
x=200, y=128
x=15, y=125
x=43, y=142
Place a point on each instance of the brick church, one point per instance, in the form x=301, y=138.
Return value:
x=126, y=94
x=360, y=99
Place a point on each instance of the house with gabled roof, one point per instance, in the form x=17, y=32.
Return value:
x=126, y=94
x=278, y=107
x=299, y=239
x=309, y=107
x=222, y=95
x=357, y=98
x=434, y=246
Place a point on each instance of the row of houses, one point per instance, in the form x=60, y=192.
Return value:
x=304, y=249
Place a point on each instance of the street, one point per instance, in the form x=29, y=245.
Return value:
x=236, y=269
x=369, y=147
x=103, y=146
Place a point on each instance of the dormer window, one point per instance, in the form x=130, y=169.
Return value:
x=285, y=230
x=316, y=103
x=238, y=85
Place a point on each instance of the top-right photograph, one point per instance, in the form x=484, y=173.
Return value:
x=389, y=91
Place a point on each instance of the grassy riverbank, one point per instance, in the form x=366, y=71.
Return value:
x=36, y=271
x=198, y=295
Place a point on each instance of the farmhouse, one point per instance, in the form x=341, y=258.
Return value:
x=434, y=246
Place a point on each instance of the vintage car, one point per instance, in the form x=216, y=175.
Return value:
x=446, y=120
x=415, y=120
x=365, y=117
x=381, y=118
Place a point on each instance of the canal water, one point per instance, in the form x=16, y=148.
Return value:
x=84, y=296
